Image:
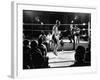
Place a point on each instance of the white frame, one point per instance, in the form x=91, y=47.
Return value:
x=17, y=70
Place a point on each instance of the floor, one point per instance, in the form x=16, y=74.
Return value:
x=63, y=58
x=66, y=57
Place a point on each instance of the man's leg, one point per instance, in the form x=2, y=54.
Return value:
x=55, y=49
x=78, y=39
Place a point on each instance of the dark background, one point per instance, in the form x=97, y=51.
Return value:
x=51, y=17
x=48, y=17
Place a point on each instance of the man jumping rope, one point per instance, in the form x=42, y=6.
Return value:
x=55, y=36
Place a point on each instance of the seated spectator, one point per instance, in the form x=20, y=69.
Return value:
x=79, y=57
x=43, y=49
x=26, y=54
x=37, y=59
x=42, y=38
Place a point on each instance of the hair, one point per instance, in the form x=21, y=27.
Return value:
x=25, y=42
x=57, y=22
x=40, y=41
x=42, y=32
x=34, y=44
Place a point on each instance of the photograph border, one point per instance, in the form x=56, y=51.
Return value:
x=16, y=33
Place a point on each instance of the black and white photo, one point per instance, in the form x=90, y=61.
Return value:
x=56, y=39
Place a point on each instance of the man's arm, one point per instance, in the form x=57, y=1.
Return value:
x=53, y=30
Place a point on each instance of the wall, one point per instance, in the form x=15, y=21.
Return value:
x=5, y=38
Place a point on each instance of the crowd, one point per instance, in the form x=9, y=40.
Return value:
x=34, y=54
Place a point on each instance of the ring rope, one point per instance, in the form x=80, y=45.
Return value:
x=51, y=30
x=52, y=24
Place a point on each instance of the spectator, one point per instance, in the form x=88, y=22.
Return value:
x=37, y=20
x=26, y=54
x=43, y=49
x=42, y=39
x=79, y=57
x=37, y=58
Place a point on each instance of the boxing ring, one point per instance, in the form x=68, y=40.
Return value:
x=65, y=57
